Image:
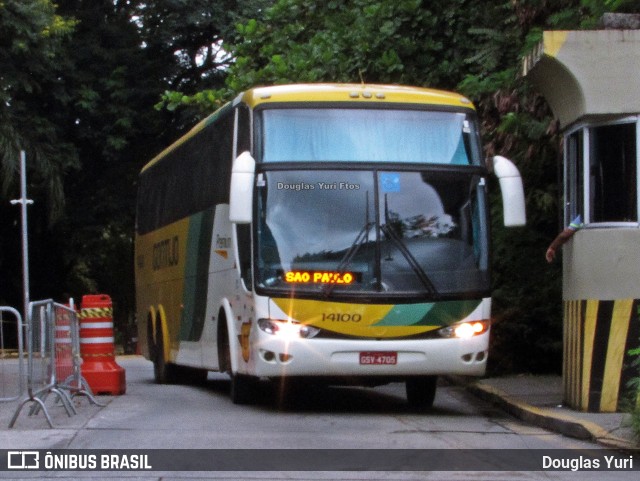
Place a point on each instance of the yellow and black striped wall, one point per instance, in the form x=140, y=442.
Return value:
x=597, y=366
x=601, y=294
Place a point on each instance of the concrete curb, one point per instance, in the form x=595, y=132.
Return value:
x=548, y=419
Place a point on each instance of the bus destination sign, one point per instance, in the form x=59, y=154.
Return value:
x=319, y=277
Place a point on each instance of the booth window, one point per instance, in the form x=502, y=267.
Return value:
x=601, y=178
x=613, y=182
x=574, y=180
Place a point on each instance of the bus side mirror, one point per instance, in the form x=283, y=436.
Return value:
x=241, y=192
x=512, y=191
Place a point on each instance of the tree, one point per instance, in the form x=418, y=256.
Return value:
x=408, y=41
x=195, y=31
x=31, y=66
x=30, y=62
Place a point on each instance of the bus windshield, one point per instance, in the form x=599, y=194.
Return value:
x=341, y=233
x=367, y=135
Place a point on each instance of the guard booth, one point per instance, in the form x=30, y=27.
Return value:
x=591, y=80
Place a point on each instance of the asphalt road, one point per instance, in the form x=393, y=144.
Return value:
x=313, y=420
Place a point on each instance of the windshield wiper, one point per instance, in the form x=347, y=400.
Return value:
x=404, y=250
x=341, y=268
x=415, y=265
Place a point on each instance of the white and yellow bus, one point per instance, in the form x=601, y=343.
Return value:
x=337, y=233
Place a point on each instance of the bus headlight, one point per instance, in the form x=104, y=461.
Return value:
x=465, y=330
x=287, y=329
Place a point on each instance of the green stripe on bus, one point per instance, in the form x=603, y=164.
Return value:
x=194, y=299
x=429, y=314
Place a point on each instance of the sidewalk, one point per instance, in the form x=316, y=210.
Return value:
x=538, y=400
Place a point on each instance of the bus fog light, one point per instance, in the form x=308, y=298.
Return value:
x=268, y=356
x=285, y=357
x=465, y=330
x=287, y=329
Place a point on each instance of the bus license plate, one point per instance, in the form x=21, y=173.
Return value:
x=379, y=358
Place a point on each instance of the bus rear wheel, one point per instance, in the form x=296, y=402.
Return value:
x=151, y=343
x=164, y=372
x=421, y=391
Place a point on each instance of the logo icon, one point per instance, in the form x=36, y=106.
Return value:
x=390, y=182
x=23, y=460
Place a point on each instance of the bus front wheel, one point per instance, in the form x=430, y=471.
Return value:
x=243, y=389
x=421, y=391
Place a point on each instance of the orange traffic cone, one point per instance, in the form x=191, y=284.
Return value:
x=97, y=348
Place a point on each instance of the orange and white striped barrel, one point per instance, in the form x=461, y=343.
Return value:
x=96, y=328
x=97, y=346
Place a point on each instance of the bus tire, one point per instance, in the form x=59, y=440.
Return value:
x=243, y=389
x=151, y=343
x=421, y=391
x=224, y=350
x=164, y=372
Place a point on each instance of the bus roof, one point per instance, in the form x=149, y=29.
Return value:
x=352, y=92
x=326, y=92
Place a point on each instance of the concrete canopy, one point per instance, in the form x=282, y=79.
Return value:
x=587, y=73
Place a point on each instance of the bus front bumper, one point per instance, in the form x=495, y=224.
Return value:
x=276, y=357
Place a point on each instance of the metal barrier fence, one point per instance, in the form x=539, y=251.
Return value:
x=53, y=358
x=12, y=379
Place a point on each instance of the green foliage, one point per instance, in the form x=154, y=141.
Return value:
x=33, y=37
x=406, y=42
x=598, y=7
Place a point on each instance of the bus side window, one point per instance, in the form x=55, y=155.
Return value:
x=243, y=234
x=244, y=130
